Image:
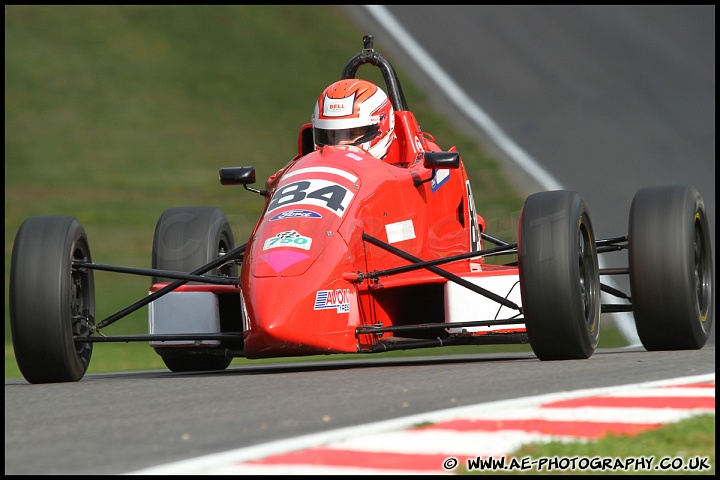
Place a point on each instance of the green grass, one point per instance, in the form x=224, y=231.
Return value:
x=684, y=442
x=115, y=113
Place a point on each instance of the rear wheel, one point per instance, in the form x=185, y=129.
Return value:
x=185, y=239
x=51, y=302
x=671, y=268
x=559, y=276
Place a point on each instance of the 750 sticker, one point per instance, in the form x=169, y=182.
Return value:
x=290, y=238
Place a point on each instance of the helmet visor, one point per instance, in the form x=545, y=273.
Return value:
x=348, y=136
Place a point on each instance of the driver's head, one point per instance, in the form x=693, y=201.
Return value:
x=354, y=112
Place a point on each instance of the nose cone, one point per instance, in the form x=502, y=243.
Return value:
x=296, y=316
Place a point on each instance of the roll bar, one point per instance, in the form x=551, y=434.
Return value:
x=370, y=56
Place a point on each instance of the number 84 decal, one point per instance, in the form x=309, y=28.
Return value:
x=320, y=193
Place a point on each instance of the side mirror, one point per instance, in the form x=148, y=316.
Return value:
x=441, y=159
x=438, y=161
x=240, y=176
x=237, y=176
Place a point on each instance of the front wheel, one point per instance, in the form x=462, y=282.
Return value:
x=51, y=301
x=671, y=268
x=559, y=276
x=186, y=238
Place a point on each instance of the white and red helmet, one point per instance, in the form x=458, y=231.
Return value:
x=354, y=112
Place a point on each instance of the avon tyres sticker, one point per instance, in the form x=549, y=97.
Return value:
x=318, y=193
x=333, y=299
x=290, y=238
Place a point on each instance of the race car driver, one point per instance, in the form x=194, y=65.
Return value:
x=355, y=112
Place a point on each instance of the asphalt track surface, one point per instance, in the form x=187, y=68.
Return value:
x=629, y=90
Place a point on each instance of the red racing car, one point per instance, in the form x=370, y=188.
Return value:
x=353, y=254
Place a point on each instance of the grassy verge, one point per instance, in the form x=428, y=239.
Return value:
x=115, y=113
x=683, y=448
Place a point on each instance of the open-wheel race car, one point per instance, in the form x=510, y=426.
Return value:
x=353, y=254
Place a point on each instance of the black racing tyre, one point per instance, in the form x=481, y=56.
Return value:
x=186, y=238
x=559, y=276
x=671, y=268
x=50, y=301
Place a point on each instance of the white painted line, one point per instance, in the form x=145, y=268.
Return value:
x=451, y=443
x=250, y=470
x=592, y=414
x=461, y=100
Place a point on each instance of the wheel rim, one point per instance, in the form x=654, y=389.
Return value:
x=587, y=273
x=702, y=269
x=226, y=269
x=80, y=304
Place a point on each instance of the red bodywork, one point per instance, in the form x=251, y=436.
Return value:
x=300, y=287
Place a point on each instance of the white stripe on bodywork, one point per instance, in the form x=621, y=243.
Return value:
x=334, y=171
